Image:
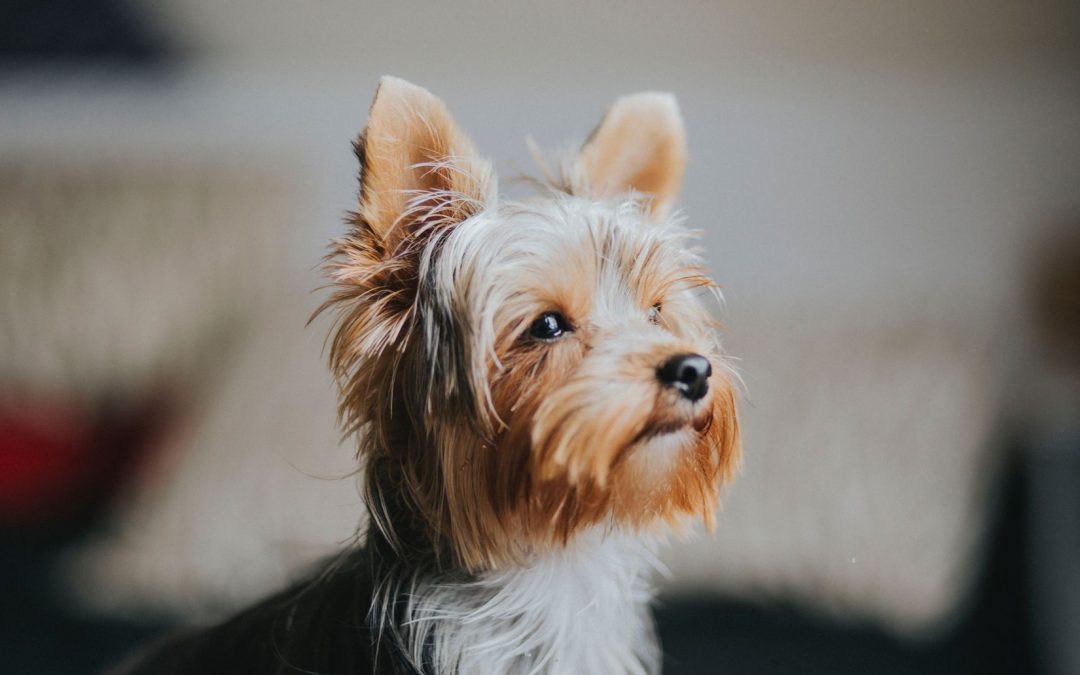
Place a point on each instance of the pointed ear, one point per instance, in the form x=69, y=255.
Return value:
x=416, y=166
x=419, y=177
x=640, y=145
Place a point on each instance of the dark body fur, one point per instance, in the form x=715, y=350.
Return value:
x=320, y=625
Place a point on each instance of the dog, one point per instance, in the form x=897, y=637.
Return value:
x=539, y=398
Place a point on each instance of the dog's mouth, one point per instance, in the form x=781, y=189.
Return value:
x=657, y=445
x=657, y=452
x=570, y=445
x=697, y=424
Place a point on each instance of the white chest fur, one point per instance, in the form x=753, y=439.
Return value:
x=583, y=610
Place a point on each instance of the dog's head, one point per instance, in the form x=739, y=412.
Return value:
x=519, y=372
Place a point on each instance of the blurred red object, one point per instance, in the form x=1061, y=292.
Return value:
x=60, y=462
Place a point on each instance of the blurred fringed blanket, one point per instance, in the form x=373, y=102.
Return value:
x=177, y=285
x=869, y=435
x=117, y=279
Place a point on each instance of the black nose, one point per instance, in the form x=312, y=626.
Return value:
x=687, y=373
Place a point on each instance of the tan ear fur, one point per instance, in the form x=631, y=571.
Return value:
x=419, y=177
x=412, y=148
x=640, y=145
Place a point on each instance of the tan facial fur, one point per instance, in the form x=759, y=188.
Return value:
x=477, y=438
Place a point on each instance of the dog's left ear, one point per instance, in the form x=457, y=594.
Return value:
x=639, y=146
x=418, y=170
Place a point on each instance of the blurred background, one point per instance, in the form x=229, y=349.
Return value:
x=889, y=194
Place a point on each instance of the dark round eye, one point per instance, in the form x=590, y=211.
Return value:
x=654, y=313
x=549, y=326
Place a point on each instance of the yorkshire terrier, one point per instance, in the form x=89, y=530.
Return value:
x=538, y=395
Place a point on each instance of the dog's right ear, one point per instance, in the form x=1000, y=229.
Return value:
x=418, y=171
x=419, y=178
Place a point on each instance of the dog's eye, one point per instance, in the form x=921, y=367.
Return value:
x=549, y=326
x=654, y=314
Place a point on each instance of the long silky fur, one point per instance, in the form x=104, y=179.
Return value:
x=516, y=488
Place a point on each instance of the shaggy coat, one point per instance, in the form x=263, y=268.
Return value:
x=538, y=396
